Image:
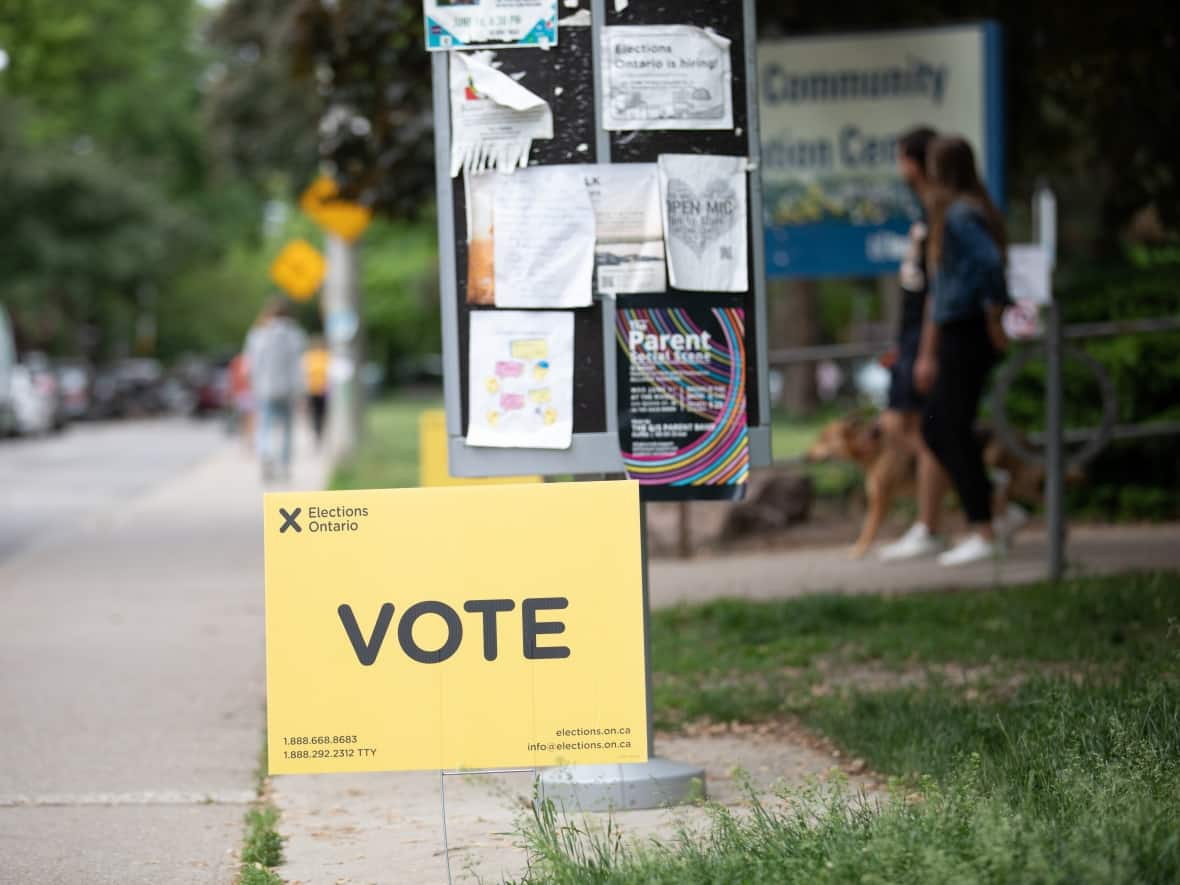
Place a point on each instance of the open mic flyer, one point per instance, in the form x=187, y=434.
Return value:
x=682, y=402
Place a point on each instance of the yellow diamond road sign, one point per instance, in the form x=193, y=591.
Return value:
x=299, y=270
x=322, y=204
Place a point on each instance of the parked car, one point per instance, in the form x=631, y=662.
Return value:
x=33, y=405
x=45, y=379
x=129, y=388
x=74, y=380
x=7, y=364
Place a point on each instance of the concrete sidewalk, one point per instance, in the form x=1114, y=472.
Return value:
x=1091, y=550
x=132, y=683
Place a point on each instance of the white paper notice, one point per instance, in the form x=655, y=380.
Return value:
x=705, y=218
x=521, y=379
x=666, y=77
x=629, y=257
x=1029, y=274
x=490, y=24
x=493, y=118
x=544, y=238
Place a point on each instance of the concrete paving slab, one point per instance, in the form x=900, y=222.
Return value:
x=120, y=845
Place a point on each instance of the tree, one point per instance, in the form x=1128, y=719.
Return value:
x=263, y=124
x=357, y=66
x=84, y=243
x=110, y=200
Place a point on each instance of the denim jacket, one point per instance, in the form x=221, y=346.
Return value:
x=971, y=272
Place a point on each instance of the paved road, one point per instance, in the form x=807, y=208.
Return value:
x=52, y=482
x=131, y=655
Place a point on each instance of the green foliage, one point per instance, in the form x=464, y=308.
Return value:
x=388, y=454
x=109, y=202
x=381, y=140
x=261, y=124
x=146, y=64
x=263, y=844
x=257, y=875
x=399, y=272
x=1141, y=479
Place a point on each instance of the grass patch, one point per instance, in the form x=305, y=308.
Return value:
x=1069, y=774
x=732, y=659
x=262, y=847
x=387, y=457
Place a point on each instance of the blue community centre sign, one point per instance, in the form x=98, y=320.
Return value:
x=832, y=109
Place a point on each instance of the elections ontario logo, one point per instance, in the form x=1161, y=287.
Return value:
x=321, y=520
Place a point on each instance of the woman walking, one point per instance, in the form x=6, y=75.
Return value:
x=963, y=336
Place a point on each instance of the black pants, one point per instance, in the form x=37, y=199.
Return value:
x=965, y=357
x=319, y=405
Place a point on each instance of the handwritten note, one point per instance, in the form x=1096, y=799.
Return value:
x=544, y=238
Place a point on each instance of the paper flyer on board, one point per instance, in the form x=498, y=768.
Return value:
x=629, y=227
x=489, y=24
x=666, y=77
x=494, y=119
x=705, y=221
x=479, y=201
x=682, y=401
x=543, y=245
x=521, y=379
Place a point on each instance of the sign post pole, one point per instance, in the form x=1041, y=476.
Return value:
x=1045, y=219
x=341, y=309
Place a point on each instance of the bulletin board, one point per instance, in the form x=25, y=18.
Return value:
x=570, y=77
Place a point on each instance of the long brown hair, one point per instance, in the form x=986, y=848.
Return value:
x=951, y=171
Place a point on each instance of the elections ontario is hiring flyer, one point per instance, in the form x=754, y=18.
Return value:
x=682, y=401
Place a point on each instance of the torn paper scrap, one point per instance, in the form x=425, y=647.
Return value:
x=579, y=19
x=666, y=77
x=705, y=221
x=521, y=379
x=493, y=118
x=544, y=238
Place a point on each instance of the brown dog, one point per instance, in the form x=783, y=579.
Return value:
x=891, y=471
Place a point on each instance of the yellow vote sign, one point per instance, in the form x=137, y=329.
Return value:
x=476, y=627
x=299, y=270
x=322, y=204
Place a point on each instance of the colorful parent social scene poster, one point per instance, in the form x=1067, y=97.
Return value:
x=682, y=402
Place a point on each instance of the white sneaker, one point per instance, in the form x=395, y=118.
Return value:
x=1013, y=520
x=916, y=542
x=973, y=548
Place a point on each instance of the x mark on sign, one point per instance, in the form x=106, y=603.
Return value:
x=289, y=520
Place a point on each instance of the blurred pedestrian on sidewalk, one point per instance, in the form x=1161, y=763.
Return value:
x=274, y=352
x=315, y=376
x=902, y=420
x=963, y=336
